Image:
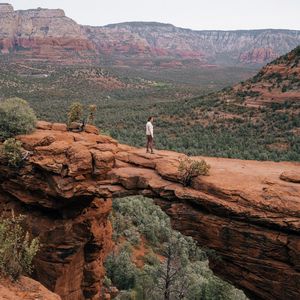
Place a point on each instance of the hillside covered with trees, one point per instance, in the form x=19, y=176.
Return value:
x=236, y=122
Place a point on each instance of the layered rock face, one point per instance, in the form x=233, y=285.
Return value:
x=145, y=40
x=47, y=34
x=243, y=210
x=42, y=34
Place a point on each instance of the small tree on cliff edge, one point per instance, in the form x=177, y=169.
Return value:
x=189, y=168
x=75, y=112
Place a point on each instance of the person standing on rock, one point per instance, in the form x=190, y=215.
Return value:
x=149, y=134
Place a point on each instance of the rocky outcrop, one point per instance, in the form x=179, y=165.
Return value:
x=43, y=34
x=24, y=289
x=258, y=55
x=47, y=34
x=290, y=177
x=243, y=210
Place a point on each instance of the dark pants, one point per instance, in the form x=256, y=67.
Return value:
x=149, y=143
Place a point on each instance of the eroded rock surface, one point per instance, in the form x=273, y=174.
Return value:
x=243, y=210
x=24, y=289
x=42, y=34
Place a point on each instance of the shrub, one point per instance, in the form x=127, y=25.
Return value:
x=132, y=236
x=91, y=110
x=16, y=249
x=75, y=112
x=12, y=151
x=16, y=117
x=189, y=168
x=120, y=269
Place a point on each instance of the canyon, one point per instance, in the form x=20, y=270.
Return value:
x=48, y=34
x=248, y=212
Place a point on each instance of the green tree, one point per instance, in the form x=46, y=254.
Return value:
x=16, y=249
x=75, y=112
x=175, y=275
x=16, y=117
x=120, y=269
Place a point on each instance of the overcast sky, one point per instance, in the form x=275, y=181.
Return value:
x=194, y=14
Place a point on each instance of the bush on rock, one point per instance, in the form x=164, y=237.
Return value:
x=16, y=117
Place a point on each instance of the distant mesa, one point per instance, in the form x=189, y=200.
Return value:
x=6, y=8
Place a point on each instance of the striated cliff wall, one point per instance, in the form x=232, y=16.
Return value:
x=208, y=46
x=243, y=210
x=47, y=34
x=42, y=34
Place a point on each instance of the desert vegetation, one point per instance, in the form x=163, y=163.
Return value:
x=189, y=168
x=202, y=125
x=12, y=151
x=152, y=261
x=16, y=117
x=17, y=249
x=79, y=113
x=75, y=113
x=216, y=124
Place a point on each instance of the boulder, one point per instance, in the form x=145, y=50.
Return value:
x=43, y=125
x=59, y=127
x=290, y=176
x=91, y=129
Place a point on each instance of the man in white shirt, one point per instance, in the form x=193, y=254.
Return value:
x=149, y=134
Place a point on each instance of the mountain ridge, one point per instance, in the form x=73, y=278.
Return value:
x=156, y=23
x=49, y=35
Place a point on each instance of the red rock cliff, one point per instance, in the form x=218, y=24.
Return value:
x=43, y=34
x=47, y=34
x=243, y=210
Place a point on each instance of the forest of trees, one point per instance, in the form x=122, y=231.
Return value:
x=203, y=125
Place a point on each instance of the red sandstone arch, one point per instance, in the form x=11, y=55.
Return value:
x=242, y=210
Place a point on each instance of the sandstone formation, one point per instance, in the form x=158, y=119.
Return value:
x=243, y=210
x=290, y=176
x=134, y=41
x=42, y=34
x=258, y=55
x=277, y=82
x=47, y=34
x=24, y=289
